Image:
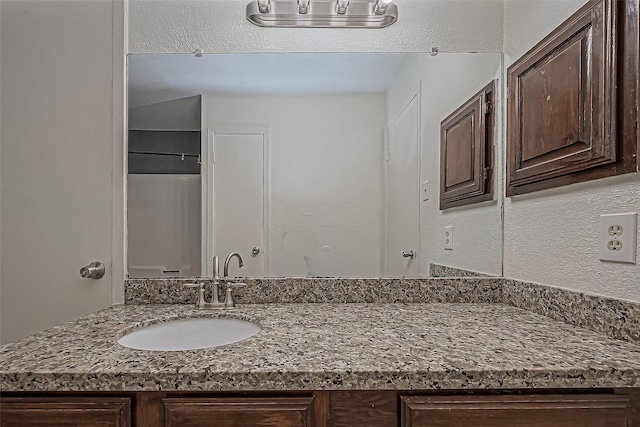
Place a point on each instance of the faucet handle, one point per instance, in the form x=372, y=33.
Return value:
x=200, y=300
x=193, y=285
x=229, y=302
x=236, y=285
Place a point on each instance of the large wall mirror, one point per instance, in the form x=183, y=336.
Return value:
x=307, y=165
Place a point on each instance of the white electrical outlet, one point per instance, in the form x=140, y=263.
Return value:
x=618, y=235
x=448, y=237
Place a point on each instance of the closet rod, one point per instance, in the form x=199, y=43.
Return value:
x=155, y=153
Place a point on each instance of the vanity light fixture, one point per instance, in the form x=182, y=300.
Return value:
x=322, y=13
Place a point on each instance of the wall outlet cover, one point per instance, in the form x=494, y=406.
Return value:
x=618, y=237
x=448, y=237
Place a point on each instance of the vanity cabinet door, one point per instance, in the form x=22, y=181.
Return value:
x=516, y=411
x=65, y=412
x=234, y=412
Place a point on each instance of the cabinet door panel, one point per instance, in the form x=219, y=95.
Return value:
x=357, y=408
x=65, y=412
x=236, y=412
x=562, y=115
x=516, y=411
x=466, y=151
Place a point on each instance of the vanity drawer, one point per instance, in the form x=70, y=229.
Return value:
x=65, y=411
x=246, y=412
x=516, y=411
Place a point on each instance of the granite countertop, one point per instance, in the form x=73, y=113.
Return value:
x=327, y=346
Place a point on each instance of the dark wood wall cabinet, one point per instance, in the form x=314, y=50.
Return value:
x=573, y=99
x=466, y=152
x=358, y=408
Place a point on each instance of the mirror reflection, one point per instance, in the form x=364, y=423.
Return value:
x=307, y=165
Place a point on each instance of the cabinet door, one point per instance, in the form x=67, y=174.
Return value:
x=562, y=100
x=516, y=411
x=363, y=408
x=65, y=412
x=466, y=152
x=236, y=412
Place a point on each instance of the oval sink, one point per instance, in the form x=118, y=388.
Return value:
x=189, y=334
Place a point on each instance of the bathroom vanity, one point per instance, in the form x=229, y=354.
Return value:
x=439, y=352
x=327, y=408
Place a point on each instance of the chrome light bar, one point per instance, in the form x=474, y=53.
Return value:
x=322, y=14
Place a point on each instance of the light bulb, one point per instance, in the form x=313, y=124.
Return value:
x=341, y=8
x=303, y=6
x=381, y=6
x=263, y=5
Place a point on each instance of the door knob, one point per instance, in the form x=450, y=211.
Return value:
x=255, y=251
x=95, y=270
x=409, y=254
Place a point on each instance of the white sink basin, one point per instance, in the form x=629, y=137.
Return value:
x=189, y=334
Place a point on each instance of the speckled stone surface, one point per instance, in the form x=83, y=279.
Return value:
x=323, y=290
x=615, y=318
x=328, y=346
x=439, y=270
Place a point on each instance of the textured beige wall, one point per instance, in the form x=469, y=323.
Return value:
x=220, y=26
x=551, y=235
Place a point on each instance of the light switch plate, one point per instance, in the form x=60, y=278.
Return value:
x=448, y=237
x=425, y=191
x=618, y=237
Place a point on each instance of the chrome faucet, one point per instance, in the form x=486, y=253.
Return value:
x=229, y=302
x=226, y=262
x=201, y=302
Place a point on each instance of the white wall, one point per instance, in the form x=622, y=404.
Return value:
x=448, y=80
x=551, y=235
x=326, y=176
x=176, y=114
x=220, y=26
x=164, y=224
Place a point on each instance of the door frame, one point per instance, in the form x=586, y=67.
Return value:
x=417, y=95
x=119, y=157
x=207, y=174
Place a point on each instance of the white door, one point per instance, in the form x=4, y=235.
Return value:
x=402, y=228
x=58, y=116
x=238, y=201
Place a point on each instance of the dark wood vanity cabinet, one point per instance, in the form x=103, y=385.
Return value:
x=357, y=408
x=572, y=101
x=65, y=411
x=512, y=411
x=466, y=151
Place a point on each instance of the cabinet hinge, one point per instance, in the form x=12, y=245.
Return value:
x=486, y=107
x=485, y=173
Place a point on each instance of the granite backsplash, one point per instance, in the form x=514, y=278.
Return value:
x=615, y=318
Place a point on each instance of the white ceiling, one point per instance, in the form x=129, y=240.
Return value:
x=157, y=78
